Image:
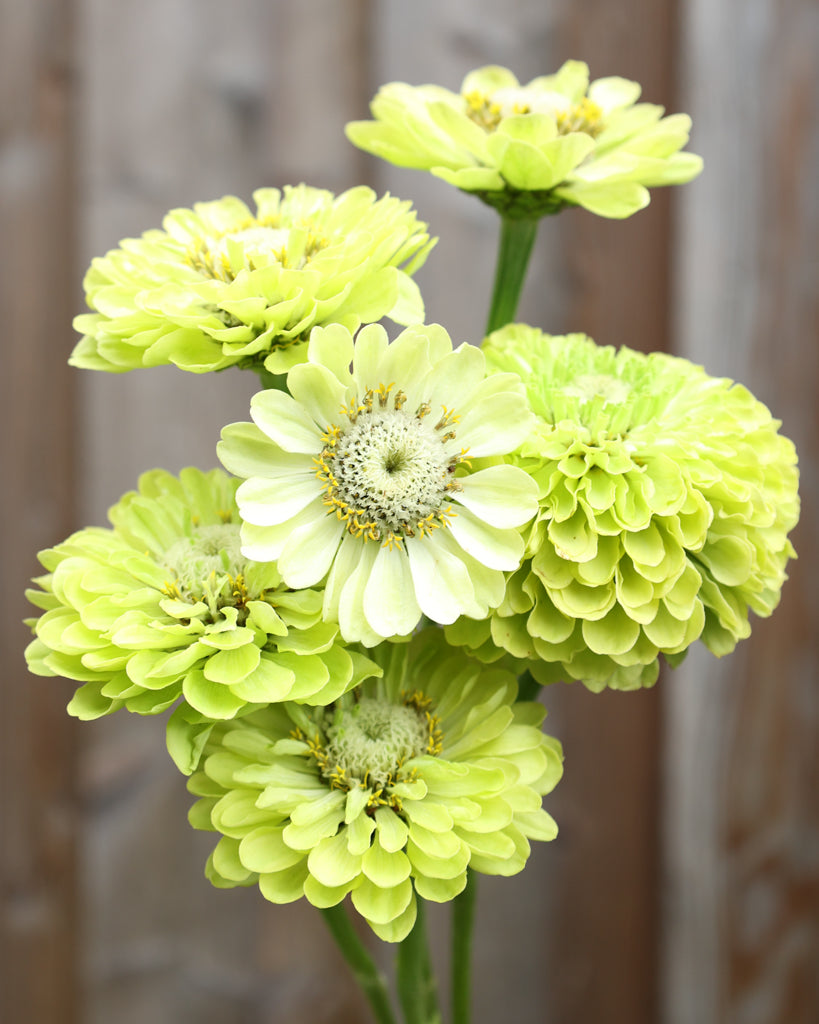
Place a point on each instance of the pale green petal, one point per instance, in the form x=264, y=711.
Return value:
x=389, y=600
x=263, y=850
x=409, y=305
x=611, y=93
x=352, y=620
x=318, y=390
x=381, y=906
x=332, y=347
x=284, y=886
x=440, y=579
x=284, y=421
x=246, y=451
x=471, y=179
x=488, y=79
x=495, y=548
x=614, y=199
x=331, y=863
x=383, y=868
x=310, y=549
x=392, y=832
x=270, y=502
x=399, y=927
x=503, y=496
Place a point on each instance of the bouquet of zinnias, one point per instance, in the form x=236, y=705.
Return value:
x=352, y=627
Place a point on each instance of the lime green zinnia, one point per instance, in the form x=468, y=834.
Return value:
x=529, y=150
x=394, y=790
x=221, y=286
x=367, y=475
x=165, y=605
x=666, y=498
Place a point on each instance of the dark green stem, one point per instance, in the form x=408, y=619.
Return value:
x=516, y=241
x=528, y=686
x=414, y=978
x=272, y=381
x=361, y=963
x=463, y=919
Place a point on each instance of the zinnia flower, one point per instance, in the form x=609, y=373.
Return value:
x=165, y=605
x=533, y=149
x=221, y=286
x=394, y=790
x=666, y=498
x=368, y=476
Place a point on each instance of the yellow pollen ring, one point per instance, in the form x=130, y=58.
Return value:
x=335, y=481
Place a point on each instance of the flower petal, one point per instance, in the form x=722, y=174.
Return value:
x=498, y=549
x=441, y=581
x=502, y=496
x=284, y=421
x=390, y=606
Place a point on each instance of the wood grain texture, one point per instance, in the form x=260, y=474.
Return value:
x=38, y=912
x=742, y=819
x=186, y=100
x=574, y=938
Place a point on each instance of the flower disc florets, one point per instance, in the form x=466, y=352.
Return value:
x=394, y=790
x=165, y=605
x=388, y=475
x=366, y=475
x=666, y=498
x=530, y=150
x=221, y=286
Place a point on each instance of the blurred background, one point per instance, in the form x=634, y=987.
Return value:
x=684, y=886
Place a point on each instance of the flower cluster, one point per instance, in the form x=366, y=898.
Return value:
x=533, y=149
x=666, y=498
x=562, y=510
x=221, y=286
x=394, y=790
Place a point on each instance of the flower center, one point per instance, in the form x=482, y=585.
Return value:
x=598, y=385
x=488, y=110
x=387, y=473
x=252, y=245
x=367, y=744
x=584, y=116
x=208, y=565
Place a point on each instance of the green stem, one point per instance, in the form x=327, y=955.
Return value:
x=272, y=381
x=528, y=686
x=361, y=963
x=516, y=241
x=463, y=918
x=414, y=978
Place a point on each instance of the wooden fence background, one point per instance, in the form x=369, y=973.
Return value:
x=684, y=888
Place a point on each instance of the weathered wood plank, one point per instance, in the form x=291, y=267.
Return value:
x=183, y=101
x=38, y=913
x=742, y=821
x=575, y=937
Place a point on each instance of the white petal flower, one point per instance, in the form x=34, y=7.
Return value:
x=363, y=473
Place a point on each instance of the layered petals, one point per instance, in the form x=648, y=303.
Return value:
x=533, y=149
x=665, y=502
x=364, y=476
x=164, y=605
x=220, y=285
x=389, y=794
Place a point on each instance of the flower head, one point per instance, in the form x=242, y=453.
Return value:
x=666, y=498
x=368, y=475
x=165, y=605
x=221, y=286
x=534, y=149
x=394, y=790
